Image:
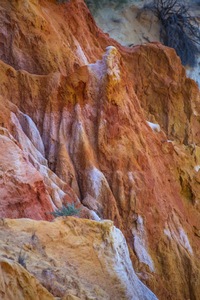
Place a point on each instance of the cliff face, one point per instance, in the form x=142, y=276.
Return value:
x=114, y=130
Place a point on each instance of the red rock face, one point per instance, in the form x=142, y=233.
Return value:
x=74, y=129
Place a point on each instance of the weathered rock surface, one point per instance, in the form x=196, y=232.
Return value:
x=17, y=283
x=70, y=257
x=112, y=129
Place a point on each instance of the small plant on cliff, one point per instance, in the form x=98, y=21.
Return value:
x=66, y=210
x=179, y=30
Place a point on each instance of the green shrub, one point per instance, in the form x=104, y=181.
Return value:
x=66, y=210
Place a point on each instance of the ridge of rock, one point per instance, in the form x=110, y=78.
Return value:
x=111, y=129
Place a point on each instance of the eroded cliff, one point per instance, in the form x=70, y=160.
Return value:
x=112, y=129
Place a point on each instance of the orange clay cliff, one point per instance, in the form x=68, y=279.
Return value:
x=114, y=131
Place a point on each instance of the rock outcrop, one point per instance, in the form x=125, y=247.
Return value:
x=70, y=257
x=17, y=283
x=132, y=23
x=114, y=130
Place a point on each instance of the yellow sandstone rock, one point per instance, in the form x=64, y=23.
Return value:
x=16, y=283
x=72, y=258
